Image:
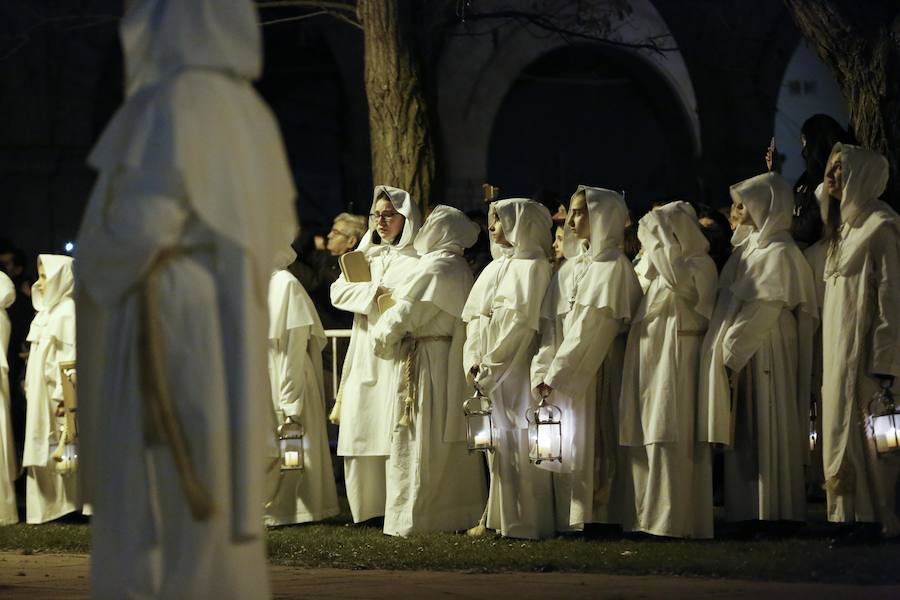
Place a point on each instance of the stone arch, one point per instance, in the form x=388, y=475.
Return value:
x=477, y=72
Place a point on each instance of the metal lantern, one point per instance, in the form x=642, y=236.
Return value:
x=291, y=441
x=544, y=432
x=884, y=422
x=480, y=432
x=813, y=430
x=66, y=457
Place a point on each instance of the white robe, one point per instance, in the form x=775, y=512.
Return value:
x=8, y=469
x=48, y=495
x=765, y=294
x=588, y=305
x=194, y=184
x=368, y=382
x=296, y=340
x=671, y=470
x=861, y=339
x=433, y=483
x=501, y=337
x=815, y=475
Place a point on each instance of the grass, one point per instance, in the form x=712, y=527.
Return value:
x=807, y=555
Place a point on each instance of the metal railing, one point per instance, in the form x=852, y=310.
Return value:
x=334, y=335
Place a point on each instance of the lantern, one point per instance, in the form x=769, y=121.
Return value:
x=544, y=432
x=884, y=422
x=290, y=441
x=66, y=456
x=813, y=431
x=479, y=422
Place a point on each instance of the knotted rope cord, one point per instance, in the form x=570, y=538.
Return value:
x=161, y=423
x=409, y=379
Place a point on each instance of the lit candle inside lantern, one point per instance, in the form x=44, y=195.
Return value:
x=813, y=437
x=482, y=438
x=891, y=438
x=292, y=458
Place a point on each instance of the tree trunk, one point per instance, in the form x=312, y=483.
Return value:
x=860, y=42
x=402, y=144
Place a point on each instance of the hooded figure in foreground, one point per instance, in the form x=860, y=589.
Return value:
x=296, y=340
x=671, y=471
x=8, y=470
x=365, y=407
x=433, y=483
x=756, y=356
x=503, y=318
x=589, y=303
x=860, y=334
x=175, y=253
x=48, y=495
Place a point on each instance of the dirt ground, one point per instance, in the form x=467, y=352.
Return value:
x=65, y=576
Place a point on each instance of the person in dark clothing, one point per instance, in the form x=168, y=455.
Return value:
x=716, y=228
x=818, y=135
x=13, y=262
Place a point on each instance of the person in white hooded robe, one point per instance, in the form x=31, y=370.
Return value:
x=502, y=314
x=671, y=471
x=8, y=469
x=193, y=201
x=755, y=357
x=365, y=406
x=587, y=308
x=48, y=494
x=860, y=335
x=433, y=483
x=296, y=340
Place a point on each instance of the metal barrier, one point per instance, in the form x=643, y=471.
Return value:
x=334, y=335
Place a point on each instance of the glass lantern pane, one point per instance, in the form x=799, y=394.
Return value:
x=292, y=453
x=480, y=432
x=887, y=438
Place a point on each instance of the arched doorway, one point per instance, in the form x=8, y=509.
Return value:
x=807, y=88
x=585, y=114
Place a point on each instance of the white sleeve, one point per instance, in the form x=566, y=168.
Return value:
x=749, y=330
x=293, y=349
x=582, y=350
x=356, y=297
x=506, y=327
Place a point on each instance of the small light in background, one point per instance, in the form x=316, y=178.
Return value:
x=69, y=247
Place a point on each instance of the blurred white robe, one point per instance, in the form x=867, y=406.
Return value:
x=757, y=330
x=194, y=184
x=861, y=339
x=369, y=383
x=8, y=468
x=671, y=471
x=433, y=483
x=48, y=495
x=588, y=306
x=503, y=317
x=296, y=340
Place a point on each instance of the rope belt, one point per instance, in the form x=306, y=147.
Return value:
x=161, y=423
x=691, y=332
x=409, y=383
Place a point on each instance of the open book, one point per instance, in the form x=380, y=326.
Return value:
x=355, y=267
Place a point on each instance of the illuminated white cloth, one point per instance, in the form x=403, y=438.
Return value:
x=369, y=383
x=589, y=303
x=760, y=325
x=433, y=483
x=860, y=338
x=503, y=317
x=671, y=471
x=8, y=470
x=48, y=495
x=192, y=165
x=296, y=340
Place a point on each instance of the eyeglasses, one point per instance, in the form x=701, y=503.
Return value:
x=339, y=232
x=387, y=216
